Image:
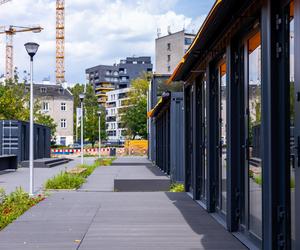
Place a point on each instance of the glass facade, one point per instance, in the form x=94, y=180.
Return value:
x=222, y=137
x=247, y=125
x=253, y=137
x=292, y=121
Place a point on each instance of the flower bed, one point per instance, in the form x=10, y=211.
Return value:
x=15, y=204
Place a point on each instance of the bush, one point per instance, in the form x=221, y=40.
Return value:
x=177, y=188
x=104, y=161
x=15, y=204
x=89, y=169
x=258, y=179
x=65, y=181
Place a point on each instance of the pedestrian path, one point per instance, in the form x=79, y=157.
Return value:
x=116, y=220
x=125, y=169
x=10, y=180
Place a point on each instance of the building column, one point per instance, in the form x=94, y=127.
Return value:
x=275, y=128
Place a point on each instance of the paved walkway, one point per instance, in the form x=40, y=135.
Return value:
x=115, y=221
x=9, y=180
x=124, y=168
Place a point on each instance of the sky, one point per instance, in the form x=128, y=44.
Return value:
x=97, y=31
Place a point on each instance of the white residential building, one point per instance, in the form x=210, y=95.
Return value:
x=170, y=49
x=116, y=100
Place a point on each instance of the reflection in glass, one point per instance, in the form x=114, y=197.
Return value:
x=223, y=163
x=204, y=141
x=292, y=114
x=254, y=136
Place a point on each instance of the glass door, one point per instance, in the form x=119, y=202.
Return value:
x=292, y=121
x=250, y=139
x=201, y=137
x=222, y=137
x=203, y=193
x=189, y=172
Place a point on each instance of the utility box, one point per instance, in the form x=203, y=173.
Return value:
x=14, y=140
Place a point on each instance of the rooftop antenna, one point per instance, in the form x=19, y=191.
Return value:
x=158, y=32
x=193, y=26
x=169, y=30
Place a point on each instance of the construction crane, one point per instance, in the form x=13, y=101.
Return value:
x=10, y=31
x=4, y=1
x=60, y=41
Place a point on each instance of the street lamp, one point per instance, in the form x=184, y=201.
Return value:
x=81, y=97
x=31, y=49
x=99, y=141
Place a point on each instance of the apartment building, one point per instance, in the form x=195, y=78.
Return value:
x=109, y=77
x=170, y=49
x=116, y=100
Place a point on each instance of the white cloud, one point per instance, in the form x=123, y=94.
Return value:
x=97, y=31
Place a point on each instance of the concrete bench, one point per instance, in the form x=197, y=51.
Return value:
x=8, y=162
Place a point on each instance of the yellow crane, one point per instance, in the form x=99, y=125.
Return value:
x=10, y=31
x=60, y=41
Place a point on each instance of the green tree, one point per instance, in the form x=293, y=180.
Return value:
x=134, y=117
x=91, y=108
x=48, y=121
x=14, y=102
x=14, y=105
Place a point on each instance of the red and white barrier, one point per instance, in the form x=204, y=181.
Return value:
x=86, y=150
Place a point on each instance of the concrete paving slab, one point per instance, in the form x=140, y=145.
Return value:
x=127, y=178
x=132, y=160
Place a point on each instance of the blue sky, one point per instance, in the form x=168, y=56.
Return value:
x=97, y=31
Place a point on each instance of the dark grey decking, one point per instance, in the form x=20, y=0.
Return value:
x=157, y=220
x=116, y=221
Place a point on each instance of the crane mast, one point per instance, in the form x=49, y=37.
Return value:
x=10, y=31
x=60, y=41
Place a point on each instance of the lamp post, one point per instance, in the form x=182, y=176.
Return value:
x=99, y=141
x=81, y=97
x=31, y=49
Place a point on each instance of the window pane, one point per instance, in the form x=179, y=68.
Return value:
x=254, y=136
x=222, y=110
x=292, y=116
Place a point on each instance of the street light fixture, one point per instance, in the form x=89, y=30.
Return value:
x=99, y=141
x=31, y=49
x=81, y=97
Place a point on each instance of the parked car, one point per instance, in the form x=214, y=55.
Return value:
x=75, y=146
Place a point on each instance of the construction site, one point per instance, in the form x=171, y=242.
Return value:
x=11, y=31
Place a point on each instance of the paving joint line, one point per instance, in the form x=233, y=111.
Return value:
x=90, y=224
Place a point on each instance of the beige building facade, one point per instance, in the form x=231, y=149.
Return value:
x=58, y=103
x=170, y=49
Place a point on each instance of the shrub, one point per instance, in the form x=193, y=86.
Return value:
x=15, y=204
x=258, y=179
x=177, y=187
x=65, y=181
x=292, y=183
x=89, y=169
x=104, y=161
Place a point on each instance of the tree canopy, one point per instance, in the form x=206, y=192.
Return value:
x=14, y=105
x=134, y=117
x=91, y=108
